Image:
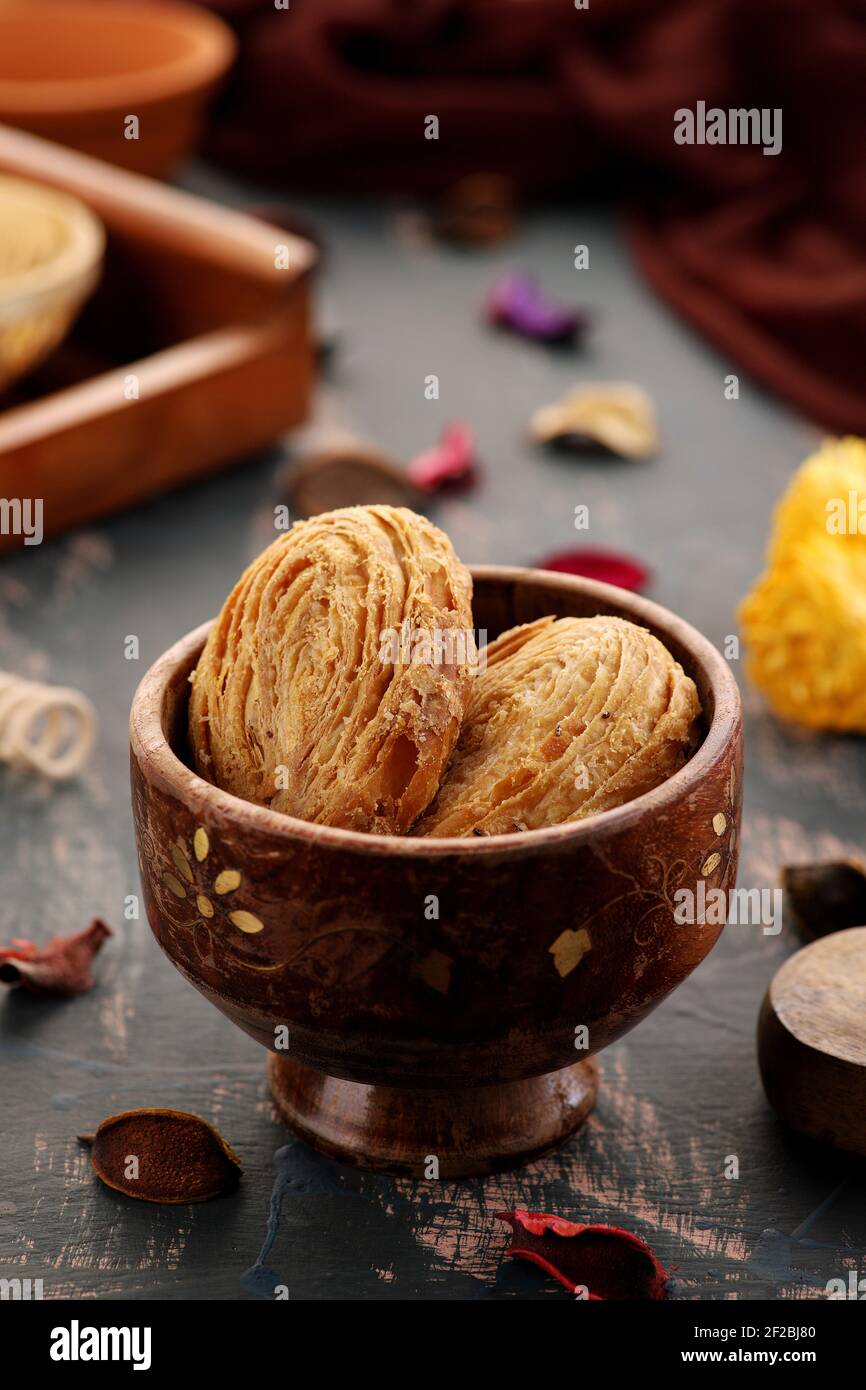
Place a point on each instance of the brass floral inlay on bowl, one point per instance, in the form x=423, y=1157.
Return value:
x=192, y=884
x=569, y=949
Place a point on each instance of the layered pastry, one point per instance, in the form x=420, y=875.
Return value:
x=327, y=688
x=570, y=717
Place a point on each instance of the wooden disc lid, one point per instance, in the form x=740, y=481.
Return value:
x=812, y=1040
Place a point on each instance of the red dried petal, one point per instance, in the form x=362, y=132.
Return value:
x=62, y=968
x=450, y=461
x=608, y=566
x=607, y=1261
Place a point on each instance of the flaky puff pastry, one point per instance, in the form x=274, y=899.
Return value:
x=571, y=716
x=297, y=701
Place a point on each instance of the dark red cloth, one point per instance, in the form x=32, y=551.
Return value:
x=764, y=254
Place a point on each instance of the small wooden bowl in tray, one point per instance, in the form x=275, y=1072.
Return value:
x=193, y=313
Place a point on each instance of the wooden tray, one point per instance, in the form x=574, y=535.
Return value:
x=191, y=302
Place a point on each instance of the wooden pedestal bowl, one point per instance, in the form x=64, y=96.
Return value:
x=431, y=1005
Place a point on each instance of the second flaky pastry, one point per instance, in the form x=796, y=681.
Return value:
x=299, y=700
x=571, y=716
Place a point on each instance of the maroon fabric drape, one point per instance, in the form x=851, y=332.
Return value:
x=763, y=254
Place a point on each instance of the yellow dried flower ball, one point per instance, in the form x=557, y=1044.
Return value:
x=804, y=621
x=826, y=497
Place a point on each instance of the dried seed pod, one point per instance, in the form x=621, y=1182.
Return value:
x=479, y=210
x=569, y=717
x=618, y=416
x=334, y=682
x=163, y=1156
x=347, y=473
x=608, y=1262
x=825, y=898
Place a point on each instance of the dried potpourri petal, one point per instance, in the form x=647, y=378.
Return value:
x=605, y=1260
x=451, y=461
x=618, y=416
x=478, y=210
x=346, y=472
x=177, y=1156
x=607, y=566
x=825, y=898
x=516, y=301
x=61, y=969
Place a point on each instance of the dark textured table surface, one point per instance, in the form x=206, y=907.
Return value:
x=681, y=1094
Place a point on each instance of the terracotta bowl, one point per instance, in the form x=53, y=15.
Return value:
x=399, y=1036
x=74, y=70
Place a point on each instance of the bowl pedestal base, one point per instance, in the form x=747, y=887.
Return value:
x=394, y=1129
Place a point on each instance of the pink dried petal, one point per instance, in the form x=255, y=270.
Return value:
x=450, y=461
x=608, y=1262
x=607, y=566
x=61, y=969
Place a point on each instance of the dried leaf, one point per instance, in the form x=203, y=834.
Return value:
x=61, y=969
x=163, y=1156
x=451, y=461
x=824, y=898
x=607, y=566
x=618, y=416
x=606, y=1261
x=517, y=302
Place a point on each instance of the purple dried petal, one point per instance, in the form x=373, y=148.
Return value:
x=517, y=302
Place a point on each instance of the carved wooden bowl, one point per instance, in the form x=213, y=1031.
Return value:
x=447, y=1044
